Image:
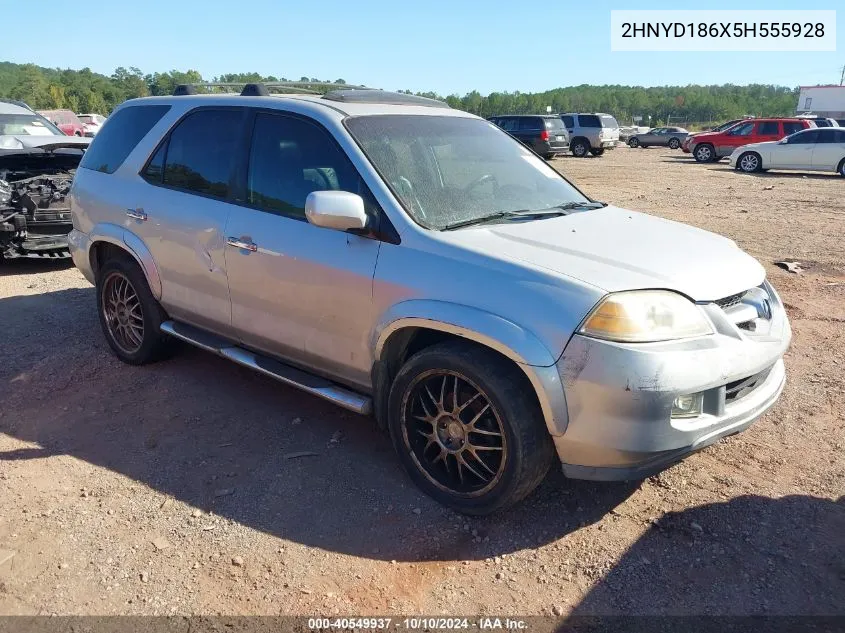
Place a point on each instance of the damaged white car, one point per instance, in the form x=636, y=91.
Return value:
x=37, y=165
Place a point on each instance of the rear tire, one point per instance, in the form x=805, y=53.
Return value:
x=704, y=153
x=548, y=156
x=467, y=428
x=129, y=314
x=580, y=147
x=841, y=169
x=597, y=151
x=674, y=143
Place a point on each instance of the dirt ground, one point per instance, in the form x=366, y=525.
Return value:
x=175, y=488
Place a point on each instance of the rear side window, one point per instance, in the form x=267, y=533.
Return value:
x=589, y=120
x=199, y=154
x=119, y=136
x=768, y=128
x=568, y=121
x=831, y=135
x=509, y=124
x=529, y=123
x=790, y=127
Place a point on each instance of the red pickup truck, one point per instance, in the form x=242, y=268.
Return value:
x=712, y=146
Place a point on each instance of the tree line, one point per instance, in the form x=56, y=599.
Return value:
x=87, y=91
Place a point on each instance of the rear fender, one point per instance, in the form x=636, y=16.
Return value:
x=128, y=241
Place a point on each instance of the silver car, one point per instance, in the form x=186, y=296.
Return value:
x=414, y=262
x=670, y=137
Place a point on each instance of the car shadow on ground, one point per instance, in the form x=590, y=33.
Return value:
x=751, y=555
x=229, y=441
x=33, y=265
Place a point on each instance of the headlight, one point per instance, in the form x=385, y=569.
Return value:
x=645, y=316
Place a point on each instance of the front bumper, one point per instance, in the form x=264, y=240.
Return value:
x=619, y=396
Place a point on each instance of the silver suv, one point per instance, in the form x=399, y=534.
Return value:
x=404, y=259
x=590, y=133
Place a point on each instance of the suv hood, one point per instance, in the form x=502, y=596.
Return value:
x=47, y=143
x=616, y=249
x=700, y=135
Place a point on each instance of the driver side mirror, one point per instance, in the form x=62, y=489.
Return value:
x=338, y=210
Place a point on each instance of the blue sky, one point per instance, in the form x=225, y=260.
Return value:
x=448, y=46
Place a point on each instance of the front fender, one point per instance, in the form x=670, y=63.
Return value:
x=504, y=336
x=127, y=240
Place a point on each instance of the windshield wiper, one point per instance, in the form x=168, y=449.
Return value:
x=490, y=217
x=559, y=209
x=570, y=206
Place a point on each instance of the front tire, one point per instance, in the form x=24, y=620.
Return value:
x=841, y=168
x=633, y=142
x=129, y=314
x=704, y=153
x=467, y=428
x=750, y=162
x=580, y=148
x=674, y=143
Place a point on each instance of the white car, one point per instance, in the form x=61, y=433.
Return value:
x=814, y=149
x=92, y=122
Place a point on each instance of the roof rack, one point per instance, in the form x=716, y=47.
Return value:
x=344, y=93
x=254, y=89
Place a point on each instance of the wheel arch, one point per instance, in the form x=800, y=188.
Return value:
x=109, y=238
x=410, y=328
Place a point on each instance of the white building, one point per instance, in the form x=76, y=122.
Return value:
x=826, y=101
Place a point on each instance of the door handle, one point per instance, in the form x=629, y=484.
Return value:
x=137, y=214
x=245, y=243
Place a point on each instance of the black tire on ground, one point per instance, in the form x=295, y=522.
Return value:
x=121, y=278
x=580, y=147
x=749, y=162
x=643, y=146
x=841, y=168
x=548, y=156
x=633, y=142
x=510, y=432
x=704, y=153
x=674, y=143
x=597, y=151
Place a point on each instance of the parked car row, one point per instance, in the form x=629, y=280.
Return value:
x=549, y=135
x=72, y=124
x=431, y=271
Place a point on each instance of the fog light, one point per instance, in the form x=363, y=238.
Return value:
x=687, y=406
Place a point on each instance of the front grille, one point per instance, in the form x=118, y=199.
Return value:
x=740, y=388
x=730, y=301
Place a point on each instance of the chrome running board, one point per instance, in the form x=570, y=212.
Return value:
x=286, y=374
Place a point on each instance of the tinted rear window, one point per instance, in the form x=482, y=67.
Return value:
x=790, y=127
x=608, y=121
x=768, y=127
x=120, y=135
x=589, y=120
x=530, y=123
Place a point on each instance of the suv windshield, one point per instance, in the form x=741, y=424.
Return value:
x=448, y=170
x=27, y=125
x=608, y=121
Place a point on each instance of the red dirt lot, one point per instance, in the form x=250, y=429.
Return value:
x=175, y=487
